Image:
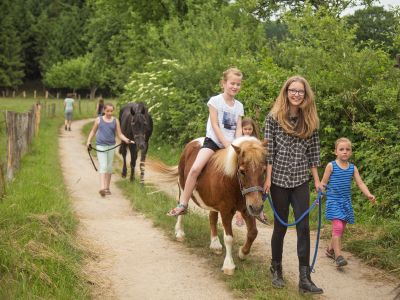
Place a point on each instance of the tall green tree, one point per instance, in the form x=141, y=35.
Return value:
x=58, y=33
x=11, y=60
x=267, y=9
x=375, y=27
x=78, y=73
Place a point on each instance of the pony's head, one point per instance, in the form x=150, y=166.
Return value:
x=139, y=124
x=246, y=159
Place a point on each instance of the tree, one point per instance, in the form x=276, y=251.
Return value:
x=375, y=27
x=11, y=62
x=76, y=73
x=266, y=9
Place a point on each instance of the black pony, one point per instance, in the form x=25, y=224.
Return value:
x=137, y=125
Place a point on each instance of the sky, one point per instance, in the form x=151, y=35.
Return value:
x=384, y=3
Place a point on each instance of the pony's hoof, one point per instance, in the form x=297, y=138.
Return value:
x=216, y=251
x=180, y=238
x=229, y=272
x=215, y=245
x=241, y=255
x=123, y=175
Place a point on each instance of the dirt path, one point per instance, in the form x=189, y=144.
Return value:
x=132, y=259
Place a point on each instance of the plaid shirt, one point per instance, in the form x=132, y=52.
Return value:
x=291, y=157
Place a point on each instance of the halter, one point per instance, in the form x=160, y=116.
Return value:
x=248, y=190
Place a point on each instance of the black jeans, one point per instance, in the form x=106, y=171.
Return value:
x=299, y=198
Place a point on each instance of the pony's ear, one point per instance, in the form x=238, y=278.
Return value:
x=265, y=143
x=237, y=149
x=132, y=111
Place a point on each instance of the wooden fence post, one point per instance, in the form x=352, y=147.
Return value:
x=21, y=128
x=37, y=118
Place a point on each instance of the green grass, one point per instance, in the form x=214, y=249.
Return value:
x=39, y=255
x=83, y=109
x=165, y=152
x=377, y=244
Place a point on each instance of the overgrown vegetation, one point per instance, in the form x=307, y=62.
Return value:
x=39, y=254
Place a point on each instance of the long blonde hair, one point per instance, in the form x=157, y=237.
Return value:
x=308, y=120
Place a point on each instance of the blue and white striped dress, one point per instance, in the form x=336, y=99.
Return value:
x=338, y=203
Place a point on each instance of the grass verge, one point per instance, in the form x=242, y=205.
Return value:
x=39, y=255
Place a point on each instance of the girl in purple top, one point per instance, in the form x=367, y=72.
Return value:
x=105, y=127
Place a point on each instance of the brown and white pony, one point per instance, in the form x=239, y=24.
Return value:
x=231, y=181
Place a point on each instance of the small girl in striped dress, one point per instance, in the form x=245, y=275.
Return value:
x=338, y=177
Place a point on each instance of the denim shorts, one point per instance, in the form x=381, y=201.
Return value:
x=210, y=144
x=105, y=158
x=68, y=115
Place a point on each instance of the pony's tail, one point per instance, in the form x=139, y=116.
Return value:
x=162, y=172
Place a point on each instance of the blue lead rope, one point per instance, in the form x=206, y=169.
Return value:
x=317, y=201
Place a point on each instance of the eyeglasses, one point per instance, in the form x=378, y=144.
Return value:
x=294, y=92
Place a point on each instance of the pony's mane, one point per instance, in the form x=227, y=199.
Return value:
x=226, y=159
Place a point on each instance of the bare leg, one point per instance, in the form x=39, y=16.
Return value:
x=107, y=180
x=336, y=245
x=239, y=219
x=102, y=183
x=201, y=160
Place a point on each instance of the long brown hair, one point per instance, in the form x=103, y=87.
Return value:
x=249, y=121
x=308, y=120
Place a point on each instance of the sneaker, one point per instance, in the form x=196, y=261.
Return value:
x=102, y=193
x=341, y=261
x=330, y=253
x=107, y=191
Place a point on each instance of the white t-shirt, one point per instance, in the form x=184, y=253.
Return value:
x=227, y=118
x=69, y=104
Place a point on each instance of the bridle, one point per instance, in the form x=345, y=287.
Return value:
x=248, y=190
